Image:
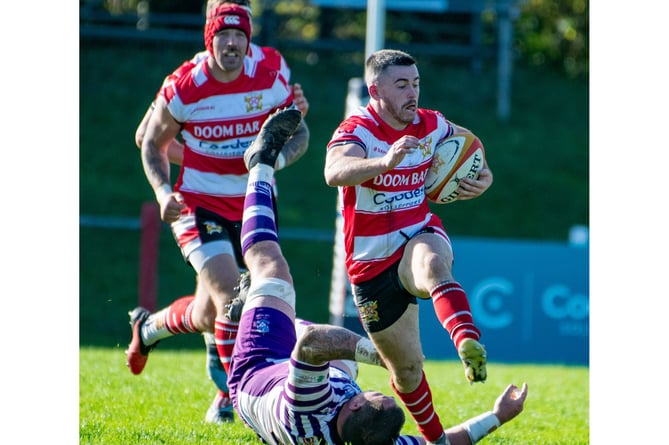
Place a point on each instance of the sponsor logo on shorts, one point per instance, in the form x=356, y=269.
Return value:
x=369, y=312
x=261, y=325
x=212, y=227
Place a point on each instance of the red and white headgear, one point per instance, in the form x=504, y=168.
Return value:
x=223, y=17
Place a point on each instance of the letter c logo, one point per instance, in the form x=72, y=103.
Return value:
x=487, y=301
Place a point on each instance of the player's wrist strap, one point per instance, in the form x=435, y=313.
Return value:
x=482, y=425
x=365, y=352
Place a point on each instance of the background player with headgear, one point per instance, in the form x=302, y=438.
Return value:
x=220, y=409
x=218, y=108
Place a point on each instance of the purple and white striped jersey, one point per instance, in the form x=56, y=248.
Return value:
x=296, y=403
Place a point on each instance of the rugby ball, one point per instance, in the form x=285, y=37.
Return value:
x=457, y=157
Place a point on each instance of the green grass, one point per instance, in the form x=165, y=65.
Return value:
x=167, y=402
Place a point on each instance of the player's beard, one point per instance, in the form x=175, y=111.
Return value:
x=230, y=59
x=404, y=113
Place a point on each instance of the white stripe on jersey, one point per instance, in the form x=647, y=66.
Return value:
x=213, y=184
x=368, y=248
x=220, y=121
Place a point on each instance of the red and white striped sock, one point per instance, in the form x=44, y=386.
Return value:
x=174, y=319
x=453, y=311
x=225, y=332
x=419, y=404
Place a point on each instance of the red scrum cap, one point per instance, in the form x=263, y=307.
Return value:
x=226, y=16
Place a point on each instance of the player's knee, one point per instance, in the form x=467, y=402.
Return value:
x=408, y=375
x=203, y=321
x=436, y=265
x=274, y=287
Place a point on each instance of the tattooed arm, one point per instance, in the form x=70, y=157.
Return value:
x=295, y=147
x=161, y=129
x=322, y=343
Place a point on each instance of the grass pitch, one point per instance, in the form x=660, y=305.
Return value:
x=166, y=404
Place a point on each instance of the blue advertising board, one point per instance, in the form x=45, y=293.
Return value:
x=529, y=299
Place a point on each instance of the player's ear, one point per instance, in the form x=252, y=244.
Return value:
x=357, y=402
x=373, y=91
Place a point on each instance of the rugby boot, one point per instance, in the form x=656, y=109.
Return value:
x=473, y=356
x=273, y=135
x=138, y=353
x=235, y=307
x=220, y=410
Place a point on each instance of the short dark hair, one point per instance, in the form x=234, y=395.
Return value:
x=373, y=425
x=379, y=61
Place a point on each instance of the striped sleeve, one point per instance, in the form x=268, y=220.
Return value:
x=407, y=440
x=312, y=396
x=307, y=394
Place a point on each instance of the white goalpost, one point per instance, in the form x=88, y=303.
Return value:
x=342, y=308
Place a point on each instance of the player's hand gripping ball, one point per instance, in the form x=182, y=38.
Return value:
x=457, y=157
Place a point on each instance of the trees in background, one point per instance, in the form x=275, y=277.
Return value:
x=547, y=33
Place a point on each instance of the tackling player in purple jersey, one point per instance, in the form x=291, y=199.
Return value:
x=290, y=389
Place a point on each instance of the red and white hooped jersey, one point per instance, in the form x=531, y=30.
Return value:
x=220, y=121
x=381, y=214
x=265, y=55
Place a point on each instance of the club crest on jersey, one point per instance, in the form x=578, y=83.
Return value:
x=426, y=147
x=369, y=312
x=212, y=227
x=253, y=102
x=437, y=162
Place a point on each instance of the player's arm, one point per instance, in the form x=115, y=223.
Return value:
x=160, y=130
x=296, y=146
x=141, y=128
x=175, y=149
x=507, y=406
x=300, y=100
x=459, y=129
x=321, y=343
x=346, y=164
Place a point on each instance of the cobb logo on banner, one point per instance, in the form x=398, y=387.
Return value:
x=490, y=302
x=528, y=310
